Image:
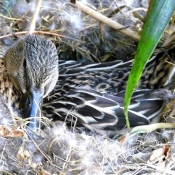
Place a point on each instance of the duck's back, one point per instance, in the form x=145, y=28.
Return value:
x=91, y=95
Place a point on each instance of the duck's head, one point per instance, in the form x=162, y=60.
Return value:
x=32, y=68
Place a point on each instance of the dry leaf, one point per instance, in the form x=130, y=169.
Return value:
x=6, y=131
x=23, y=154
x=159, y=155
x=168, y=107
x=122, y=139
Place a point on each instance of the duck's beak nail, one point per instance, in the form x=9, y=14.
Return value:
x=36, y=102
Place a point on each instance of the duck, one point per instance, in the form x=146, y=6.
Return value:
x=85, y=95
x=29, y=72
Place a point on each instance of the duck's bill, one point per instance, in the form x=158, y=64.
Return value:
x=35, y=109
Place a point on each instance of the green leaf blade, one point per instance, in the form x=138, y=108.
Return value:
x=158, y=17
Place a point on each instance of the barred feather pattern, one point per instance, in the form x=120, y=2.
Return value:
x=85, y=94
x=92, y=96
x=31, y=62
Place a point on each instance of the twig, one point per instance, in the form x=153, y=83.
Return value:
x=113, y=169
x=152, y=127
x=38, y=148
x=38, y=32
x=34, y=18
x=10, y=18
x=107, y=21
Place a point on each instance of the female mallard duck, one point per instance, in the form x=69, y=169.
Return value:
x=89, y=95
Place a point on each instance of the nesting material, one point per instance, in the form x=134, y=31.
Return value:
x=61, y=150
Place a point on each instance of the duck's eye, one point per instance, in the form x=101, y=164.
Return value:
x=24, y=63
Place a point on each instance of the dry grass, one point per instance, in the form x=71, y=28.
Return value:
x=59, y=150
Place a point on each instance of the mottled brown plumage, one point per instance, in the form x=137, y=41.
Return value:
x=89, y=95
x=29, y=72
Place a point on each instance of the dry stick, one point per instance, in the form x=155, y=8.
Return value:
x=107, y=21
x=39, y=32
x=9, y=18
x=42, y=152
x=152, y=127
x=34, y=18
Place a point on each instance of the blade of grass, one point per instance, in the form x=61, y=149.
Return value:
x=152, y=127
x=158, y=17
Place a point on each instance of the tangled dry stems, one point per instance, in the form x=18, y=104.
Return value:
x=61, y=150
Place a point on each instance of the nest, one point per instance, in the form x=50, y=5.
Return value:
x=61, y=150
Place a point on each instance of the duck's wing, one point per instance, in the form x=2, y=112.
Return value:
x=103, y=113
x=92, y=94
x=109, y=77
